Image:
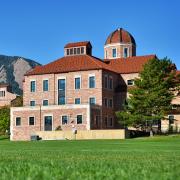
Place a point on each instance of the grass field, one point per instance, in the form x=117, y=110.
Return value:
x=143, y=158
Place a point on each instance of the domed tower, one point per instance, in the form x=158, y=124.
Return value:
x=119, y=44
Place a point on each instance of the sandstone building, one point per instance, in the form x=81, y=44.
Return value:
x=79, y=90
x=6, y=95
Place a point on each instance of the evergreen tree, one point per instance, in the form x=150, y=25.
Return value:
x=4, y=119
x=151, y=96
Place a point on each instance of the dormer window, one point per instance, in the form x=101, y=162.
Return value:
x=71, y=51
x=75, y=50
x=78, y=48
x=67, y=52
x=82, y=50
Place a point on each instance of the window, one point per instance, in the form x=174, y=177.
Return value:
x=174, y=107
x=61, y=91
x=171, y=119
x=82, y=50
x=31, y=121
x=78, y=50
x=2, y=94
x=110, y=121
x=32, y=103
x=105, y=102
x=18, y=121
x=64, y=119
x=110, y=103
x=45, y=85
x=67, y=51
x=77, y=101
x=33, y=86
x=130, y=82
x=125, y=52
x=45, y=102
x=79, y=119
x=92, y=82
x=77, y=83
x=75, y=50
x=92, y=101
x=110, y=83
x=71, y=51
x=114, y=52
x=48, y=123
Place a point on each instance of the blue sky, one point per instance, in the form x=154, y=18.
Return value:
x=39, y=29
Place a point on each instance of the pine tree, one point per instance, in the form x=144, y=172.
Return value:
x=151, y=96
x=4, y=119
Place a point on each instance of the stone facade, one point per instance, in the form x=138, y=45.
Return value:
x=6, y=96
x=25, y=130
x=71, y=93
x=101, y=115
x=108, y=50
x=96, y=105
x=172, y=121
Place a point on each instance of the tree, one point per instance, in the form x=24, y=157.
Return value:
x=4, y=119
x=5, y=114
x=18, y=102
x=151, y=96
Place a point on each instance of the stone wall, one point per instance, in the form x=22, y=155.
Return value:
x=24, y=131
x=90, y=134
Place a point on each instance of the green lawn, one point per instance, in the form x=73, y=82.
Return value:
x=143, y=158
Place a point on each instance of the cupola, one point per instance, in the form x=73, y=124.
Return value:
x=119, y=44
x=78, y=48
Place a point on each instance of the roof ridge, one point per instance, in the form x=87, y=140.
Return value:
x=120, y=34
x=88, y=62
x=79, y=43
x=92, y=58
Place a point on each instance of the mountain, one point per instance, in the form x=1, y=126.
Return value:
x=12, y=70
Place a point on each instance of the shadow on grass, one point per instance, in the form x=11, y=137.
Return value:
x=4, y=137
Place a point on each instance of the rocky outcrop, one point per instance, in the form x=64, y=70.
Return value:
x=12, y=70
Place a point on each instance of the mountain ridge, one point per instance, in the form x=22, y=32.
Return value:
x=12, y=70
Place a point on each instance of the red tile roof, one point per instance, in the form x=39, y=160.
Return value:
x=177, y=72
x=77, y=44
x=129, y=65
x=120, y=36
x=86, y=62
x=70, y=64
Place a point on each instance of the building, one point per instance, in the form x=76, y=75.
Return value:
x=79, y=90
x=172, y=121
x=6, y=95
